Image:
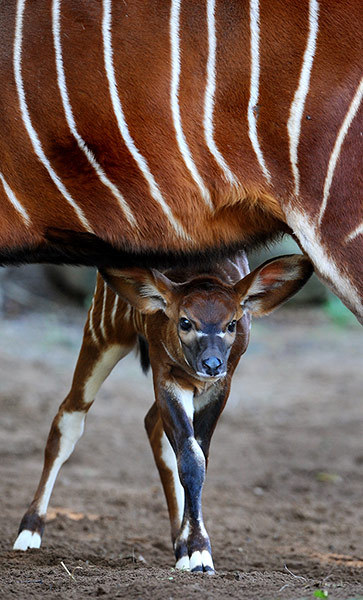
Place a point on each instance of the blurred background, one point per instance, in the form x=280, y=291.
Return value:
x=284, y=481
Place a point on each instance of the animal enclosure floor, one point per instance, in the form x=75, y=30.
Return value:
x=283, y=501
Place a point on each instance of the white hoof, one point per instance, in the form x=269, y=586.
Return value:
x=199, y=561
x=27, y=539
x=183, y=563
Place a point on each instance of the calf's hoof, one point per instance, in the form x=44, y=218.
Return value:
x=30, y=532
x=197, y=562
x=27, y=539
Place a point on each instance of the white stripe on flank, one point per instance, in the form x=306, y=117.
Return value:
x=102, y=324
x=174, y=99
x=70, y=118
x=121, y=121
x=298, y=103
x=334, y=157
x=357, y=231
x=254, y=85
x=15, y=202
x=27, y=121
x=210, y=92
x=309, y=238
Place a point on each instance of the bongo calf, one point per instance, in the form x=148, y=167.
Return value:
x=192, y=327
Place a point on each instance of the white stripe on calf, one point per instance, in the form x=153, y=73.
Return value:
x=122, y=125
x=70, y=118
x=27, y=121
x=114, y=311
x=298, y=103
x=183, y=397
x=71, y=427
x=90, y=322
x=254, y=85
x=169, y=459
x=15, y=202
x=334, y=157
x=209, y=94
x=174, y=98
x=103, y=314
x=101, y=369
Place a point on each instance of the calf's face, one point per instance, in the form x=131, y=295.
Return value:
x=206, y=326
x=205, y=313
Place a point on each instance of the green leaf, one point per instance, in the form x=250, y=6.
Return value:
x=321, y=594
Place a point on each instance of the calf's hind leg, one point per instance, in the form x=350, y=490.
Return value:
x=98, y=355
x=165, y=461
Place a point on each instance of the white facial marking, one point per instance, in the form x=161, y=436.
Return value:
x=174, y=98
x=33, y=136
x=210, y=92
x=254, y=85
x=102, y=368
x=183, y=563
x=27, y=539
x=205, y=377
x=334, y=157
x=298, y=103
x=221, y=334
x=200, y=334
x=122, y=125
x=71, y=427
x=70, y=118
x=15, y=202
x=169, y=459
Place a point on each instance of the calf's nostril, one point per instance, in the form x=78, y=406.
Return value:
x=212, y=365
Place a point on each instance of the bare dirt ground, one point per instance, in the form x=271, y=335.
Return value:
x=283, y=501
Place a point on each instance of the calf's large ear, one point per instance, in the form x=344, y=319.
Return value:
x=147, y=290
x=273, y=283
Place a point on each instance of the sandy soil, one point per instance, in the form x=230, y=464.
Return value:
x=283, y=501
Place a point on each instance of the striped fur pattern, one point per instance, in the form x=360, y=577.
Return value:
x=182, y=127
x=195, y=326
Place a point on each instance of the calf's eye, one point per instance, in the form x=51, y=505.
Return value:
x=231, y=326
x=185, y=324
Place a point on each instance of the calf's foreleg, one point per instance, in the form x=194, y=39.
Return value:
x=176, y=406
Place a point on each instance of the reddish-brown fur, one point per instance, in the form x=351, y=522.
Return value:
x=250, y=211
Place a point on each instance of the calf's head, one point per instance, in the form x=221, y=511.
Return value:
x=205, y=314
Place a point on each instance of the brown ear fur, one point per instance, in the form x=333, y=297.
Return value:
x=147, y=290
x=273, y=283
